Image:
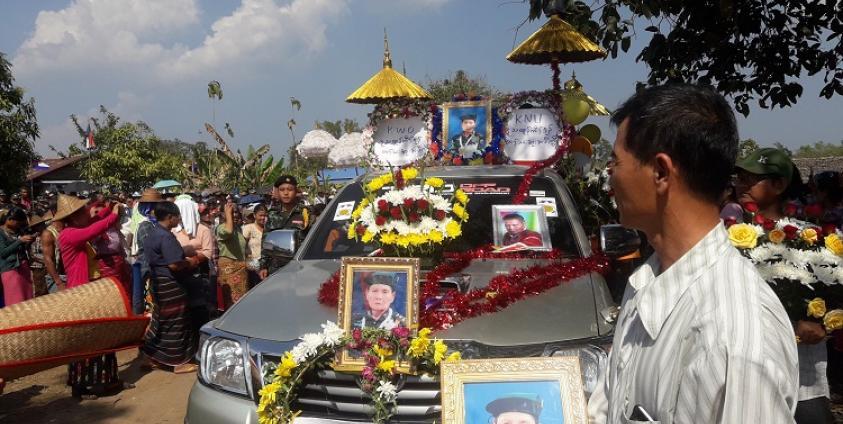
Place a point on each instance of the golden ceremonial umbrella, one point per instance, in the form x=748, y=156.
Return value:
x=554, y=43
x=387, y=84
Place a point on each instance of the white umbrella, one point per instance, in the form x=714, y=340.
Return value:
x=316, y=143
x=349, y=150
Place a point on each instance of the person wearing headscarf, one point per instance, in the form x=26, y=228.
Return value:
x=14, y=258
x=197, y=242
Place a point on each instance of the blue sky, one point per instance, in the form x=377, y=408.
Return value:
x=152, y=60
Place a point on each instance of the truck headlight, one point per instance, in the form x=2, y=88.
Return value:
x=593, y=360
x=223, y=365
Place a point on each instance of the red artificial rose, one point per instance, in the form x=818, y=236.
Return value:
x=458, y=160
x=395, y=212
x=791, y=209
x=729, y=221
x=759, y=219
x=422, y=204
x=361, y=230
x=829, y=229
x=819, y=232
x=408, y=203
x=750, y=207
x=380, y=220
x=814, y=210
x=439, y=214
x=790, y=231
x=401, y=332
x=769, y=224
x=414, y=217
x=383, y=205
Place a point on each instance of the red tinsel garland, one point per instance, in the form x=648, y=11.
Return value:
x=439, y=313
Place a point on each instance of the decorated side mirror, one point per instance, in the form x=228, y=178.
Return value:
x=617, y=241
x=281, y=242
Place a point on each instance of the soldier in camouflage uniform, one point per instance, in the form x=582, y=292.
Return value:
x=285, y=213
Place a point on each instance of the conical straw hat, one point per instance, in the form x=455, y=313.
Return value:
x=67, y=205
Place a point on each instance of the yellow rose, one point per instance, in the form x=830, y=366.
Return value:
x=743, y=236
x=434, y=182
x=834, y=243
x=816, y=308
x=409, y=173
x=833, y=320
x=809, y=235
x=777, y=236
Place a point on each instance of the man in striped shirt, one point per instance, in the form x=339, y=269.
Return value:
x=701, y=338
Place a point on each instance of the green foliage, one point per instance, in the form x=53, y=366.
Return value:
x=783, y=148
x=338, y=128
x=820, y=149
x=746, y=147
x=18, y=130
x=752, y=50
x=460, y=83
x=129, y=156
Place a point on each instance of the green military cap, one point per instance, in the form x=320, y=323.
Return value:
x=767, y=161
x=467, y=117
x=527, y=403
x=385, y=278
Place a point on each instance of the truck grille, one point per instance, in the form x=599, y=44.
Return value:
x=330, y=394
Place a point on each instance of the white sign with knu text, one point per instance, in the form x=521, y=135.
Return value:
x=531, y=134
x=400, y=141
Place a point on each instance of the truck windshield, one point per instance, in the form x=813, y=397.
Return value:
x=330, y=240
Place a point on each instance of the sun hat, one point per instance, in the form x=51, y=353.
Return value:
x=151, y=195
x=68, y=205
x=38, y=219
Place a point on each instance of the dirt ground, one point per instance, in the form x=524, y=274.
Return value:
x=159, y=397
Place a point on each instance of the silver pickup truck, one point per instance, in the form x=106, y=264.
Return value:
x=239, y=348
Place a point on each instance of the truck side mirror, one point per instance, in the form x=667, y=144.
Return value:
x=281, y=242
x=617, y=241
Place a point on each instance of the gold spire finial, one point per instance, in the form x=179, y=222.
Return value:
x=387, y=59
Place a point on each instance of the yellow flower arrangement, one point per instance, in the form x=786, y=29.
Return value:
x=461, y=196
x=810, y=236
x=359, y=209
x=367, y=236
x=743, y=236
x=434, y=182
x=834, y=243
x=777, y=236
x=409, y=173
x=286, y=366
x=439, y=350
x=454, y=229
x=453, y=357
x=436, y=236
x=460, y=212
x=816, y=308
x=420, y=344
x=386, y=366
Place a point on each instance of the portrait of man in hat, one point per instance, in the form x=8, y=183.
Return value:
x=467, y=129
x=381, y=306
x=509, y=400
x=515, y=408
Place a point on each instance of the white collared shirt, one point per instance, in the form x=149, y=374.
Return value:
x=707, y=341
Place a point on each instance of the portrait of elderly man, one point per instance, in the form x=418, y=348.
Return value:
x=378, y=311
x=515, y=408
x=517, y=232
x=468, y=142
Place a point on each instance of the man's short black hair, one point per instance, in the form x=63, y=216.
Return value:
x=165, y=209
x=694, y=125
x=514, y=216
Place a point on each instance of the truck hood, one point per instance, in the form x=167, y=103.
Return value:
x=285, y=306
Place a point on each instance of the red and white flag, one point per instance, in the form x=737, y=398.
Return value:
x=89, y=139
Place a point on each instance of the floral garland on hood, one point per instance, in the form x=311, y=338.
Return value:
x=383, y=351
x=802, y=262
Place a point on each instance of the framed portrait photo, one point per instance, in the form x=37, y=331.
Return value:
x=520, y=227
x=378, y=293
x=467, y=127
x=525, y=390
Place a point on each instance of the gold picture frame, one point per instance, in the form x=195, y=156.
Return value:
x=404, y=274
x=528, y=376
x=468, y=106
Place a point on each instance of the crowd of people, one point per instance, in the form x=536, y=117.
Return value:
x=181, y=258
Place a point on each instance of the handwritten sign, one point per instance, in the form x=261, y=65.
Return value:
x=400, y=141
x=531, y=135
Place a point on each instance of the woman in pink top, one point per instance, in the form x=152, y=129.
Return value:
x=77, y=253
x=88, y=377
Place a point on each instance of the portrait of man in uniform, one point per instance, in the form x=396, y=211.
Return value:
x=381, y=306
x=521, y=227
x=467, y=128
